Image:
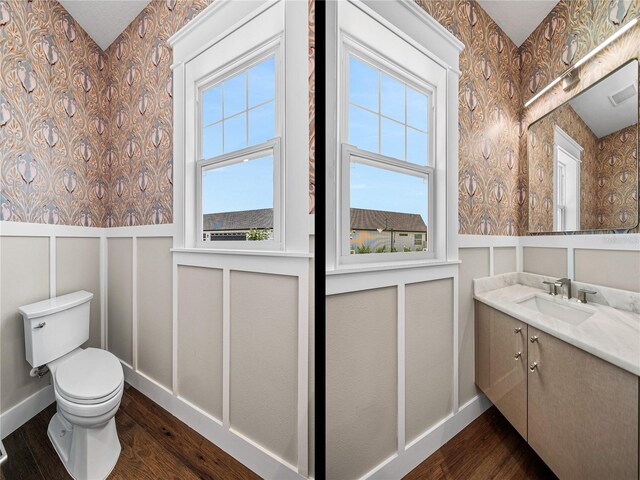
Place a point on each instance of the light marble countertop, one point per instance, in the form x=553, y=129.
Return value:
x=612, y=334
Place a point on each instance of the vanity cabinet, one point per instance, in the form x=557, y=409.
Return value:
x=501, y=363
x=578, y=412
x=583, y=411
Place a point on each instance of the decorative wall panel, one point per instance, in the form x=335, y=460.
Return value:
x=52, y=128
x=86, y=135
x=491, y=185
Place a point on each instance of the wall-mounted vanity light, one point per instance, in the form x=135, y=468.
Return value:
x=570, y=76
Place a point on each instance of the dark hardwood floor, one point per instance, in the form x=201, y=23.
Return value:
x=489, y=448
x=155, y=445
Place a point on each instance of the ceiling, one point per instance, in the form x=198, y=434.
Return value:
x=518, y=18
x=104, y=20
x=597, y=111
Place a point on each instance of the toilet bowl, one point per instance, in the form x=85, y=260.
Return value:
x=88, y=386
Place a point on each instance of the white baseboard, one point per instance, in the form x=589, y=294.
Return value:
x=24, y=411
x=243, y=450
x=417, y=451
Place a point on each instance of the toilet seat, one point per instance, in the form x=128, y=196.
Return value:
x=90, y=377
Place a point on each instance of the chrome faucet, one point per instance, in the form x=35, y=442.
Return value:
x=561, y=283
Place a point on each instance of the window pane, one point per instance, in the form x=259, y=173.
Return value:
x=417, y=147
x=363, y=129
x=235, y=133
x=262, y=124
x=384, y=204
x=392, y=139
x=237, y=200
x=363, y=84
x=417, y=109
x=212, y=105
x=212, y=141
x=392, y=97
x=235, y=94
x=262, y=82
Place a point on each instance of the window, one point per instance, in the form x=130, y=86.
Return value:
x=387, y=159
x=238, y=172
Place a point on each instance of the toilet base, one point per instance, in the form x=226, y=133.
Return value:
x=86, y=453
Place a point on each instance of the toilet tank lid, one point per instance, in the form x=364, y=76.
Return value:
x=55, y=304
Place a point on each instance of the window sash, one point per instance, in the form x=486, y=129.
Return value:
x=270, y=148
x=377, y=61
x=349, y=154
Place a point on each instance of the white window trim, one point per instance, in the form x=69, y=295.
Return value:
x=290, y=42
x=347, y=151
x=563, y=141
x=242, y=63
x=416, y=28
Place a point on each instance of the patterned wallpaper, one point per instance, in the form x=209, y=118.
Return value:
x=52, y=126
x=572, y=29
x=541, y=139
x=491, y=183
x=86, y=134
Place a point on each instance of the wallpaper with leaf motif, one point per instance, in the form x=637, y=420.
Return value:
x=86, y=135
x=491, y=185
x=571, y=30
x=52, y=125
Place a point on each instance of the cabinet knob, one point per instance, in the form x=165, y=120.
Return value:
x=533, y=366
x=534, y=338
x=517, y=330
x=517, y=355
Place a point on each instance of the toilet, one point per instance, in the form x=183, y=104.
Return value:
x=88, y=384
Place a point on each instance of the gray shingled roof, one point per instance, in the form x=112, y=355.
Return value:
x=362, y=219
x=243, y=220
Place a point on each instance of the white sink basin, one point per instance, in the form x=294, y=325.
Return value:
x=557, y=308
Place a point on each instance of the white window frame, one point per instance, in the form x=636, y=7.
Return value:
x=394, y=29
x=270, y=147
x=229, y=35
x=351, y=153
x=564, y=142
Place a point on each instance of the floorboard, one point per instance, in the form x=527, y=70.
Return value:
x=155, y=445
x=489, y=448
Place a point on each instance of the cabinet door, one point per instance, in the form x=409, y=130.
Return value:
x=583, y=412
x=500, y=371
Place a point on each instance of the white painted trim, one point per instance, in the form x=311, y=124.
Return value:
x=377, y=279
x=474, y=241
x=52, y=267
x=417, y=451
x=257, y=459
x=163, y=230
x=303, y=374
x=24, y=229
x=24, y=411
x=605, y=241
x=226, y=347
x=456, y=344
x=401, y=368
x=104, y=294
x=134, y=302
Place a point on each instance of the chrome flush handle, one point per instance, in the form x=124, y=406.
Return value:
x=40, y=325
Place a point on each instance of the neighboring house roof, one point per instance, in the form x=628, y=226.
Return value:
x=362, y=219
x=243, y=220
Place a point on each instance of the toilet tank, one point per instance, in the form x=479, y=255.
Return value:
x=55, y=327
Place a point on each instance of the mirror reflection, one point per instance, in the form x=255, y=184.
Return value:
x=582, y=157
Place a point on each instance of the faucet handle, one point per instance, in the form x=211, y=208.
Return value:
x=553, y=287
x=582, y=294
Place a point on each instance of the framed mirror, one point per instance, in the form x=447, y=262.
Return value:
x=583, y=159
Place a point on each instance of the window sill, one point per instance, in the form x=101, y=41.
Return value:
x=257, y=253
x=382, y=266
